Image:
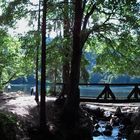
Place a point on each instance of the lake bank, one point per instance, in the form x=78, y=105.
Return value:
x=85, y=91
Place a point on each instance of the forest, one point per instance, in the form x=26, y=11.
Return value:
x=50, y=39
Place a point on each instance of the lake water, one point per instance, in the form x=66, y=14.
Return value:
x=85, y=91
x=94, y=91
x=114, y=135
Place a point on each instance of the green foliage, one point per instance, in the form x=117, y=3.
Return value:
x=110, y=29
x=12, y=10
x=29, y=43
x=114, y=36
x=20, y=57
x=54, y=60
x=84, y=77
x=14, y=61
x=9, y=52
x=118, y=56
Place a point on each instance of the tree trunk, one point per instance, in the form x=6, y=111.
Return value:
x=72, y=103
x=43, y=70
x=37, y=55
x=66, y=75
x=66, y=47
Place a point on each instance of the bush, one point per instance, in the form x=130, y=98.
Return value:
x=7, y=126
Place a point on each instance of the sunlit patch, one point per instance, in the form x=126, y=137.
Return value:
x=20, y=104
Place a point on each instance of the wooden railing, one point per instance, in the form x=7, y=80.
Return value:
x=107, y=93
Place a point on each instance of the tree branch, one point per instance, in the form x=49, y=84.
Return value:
x=84, y=4
x=118, y=52
x=87, y=16
x=96, y=28
x=85, y=34
x=9, y=79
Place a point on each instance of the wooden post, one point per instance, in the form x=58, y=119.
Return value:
x=106, y=92
x=135, y=92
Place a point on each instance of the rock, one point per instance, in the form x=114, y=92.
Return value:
x=137, y=109
x=94, y=111
x=52, y=128
x=121, y=128
x=107, y=115
x=118, y=112
x=96, y=126
x=96, y=133
x=108, y=127
x=119, y=134
x=115, y=121
x=126, y=120
x=107, y=132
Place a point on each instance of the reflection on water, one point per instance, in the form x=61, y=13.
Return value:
x=114, y=135
x=89, y=91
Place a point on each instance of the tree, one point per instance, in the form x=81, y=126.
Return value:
x=123, y=56
x=66, y=48
x=43, y=70
x=103, y=20
x=72, y=102
x=13, y=59
x=107, y=24
x=54, y=64
x=37, y=54
x=12, y=12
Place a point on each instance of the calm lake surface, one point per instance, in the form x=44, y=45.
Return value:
x=87, y=91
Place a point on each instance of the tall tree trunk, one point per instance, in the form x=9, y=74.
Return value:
x=43, y=70
x=72, y=102
x=66, y=75
x=66, y=47
x=37, y=55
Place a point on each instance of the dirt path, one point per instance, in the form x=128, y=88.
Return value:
x=18, y=103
